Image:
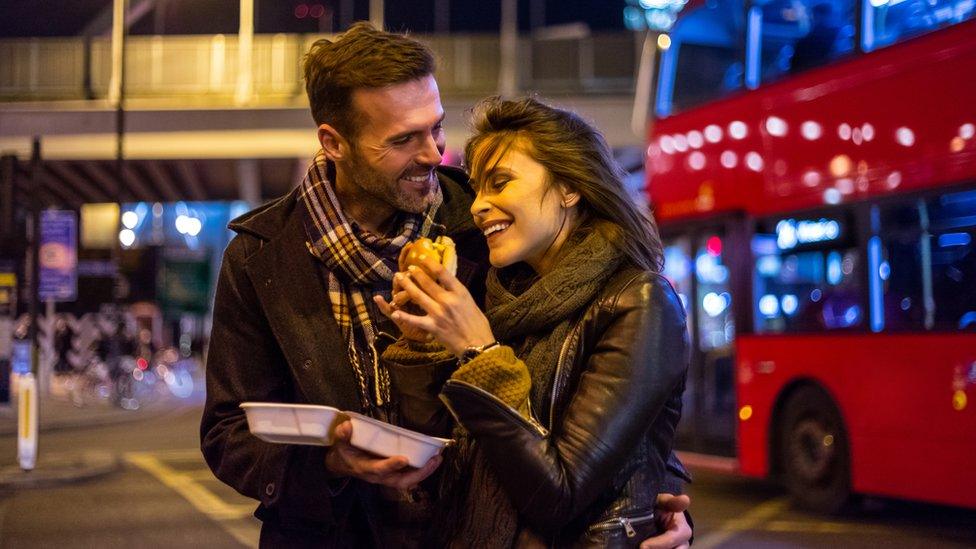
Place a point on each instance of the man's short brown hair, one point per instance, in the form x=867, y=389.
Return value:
x=362, y=57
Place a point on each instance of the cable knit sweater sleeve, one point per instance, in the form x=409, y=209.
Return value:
x=419, y=370
x=501, y=373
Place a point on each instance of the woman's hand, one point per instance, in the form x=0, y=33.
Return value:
x=453, y=318
x=398, y=299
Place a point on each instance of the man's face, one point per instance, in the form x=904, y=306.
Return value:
x=400, y=142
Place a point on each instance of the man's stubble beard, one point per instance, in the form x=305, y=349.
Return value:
x=382, y=190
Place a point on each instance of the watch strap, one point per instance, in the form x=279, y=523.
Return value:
x=470, y=353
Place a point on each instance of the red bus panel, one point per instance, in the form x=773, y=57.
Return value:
x=911, y=433
x=871, y=126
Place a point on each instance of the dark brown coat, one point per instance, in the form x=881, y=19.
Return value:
x=274, y=339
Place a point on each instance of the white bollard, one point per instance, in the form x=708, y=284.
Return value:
x=27, y=421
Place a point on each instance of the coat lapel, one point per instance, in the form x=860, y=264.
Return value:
x=292, y=292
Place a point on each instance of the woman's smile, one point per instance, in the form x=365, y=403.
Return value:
x=494, y=228
x=518, y=210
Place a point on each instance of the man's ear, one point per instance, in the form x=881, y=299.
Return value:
x=335, y=146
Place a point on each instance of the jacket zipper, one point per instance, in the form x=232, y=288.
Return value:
x=559, y=368
x=562, y=357
x=627, y=523
x=528, y=421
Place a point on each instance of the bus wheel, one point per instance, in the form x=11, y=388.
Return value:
x=814, y=453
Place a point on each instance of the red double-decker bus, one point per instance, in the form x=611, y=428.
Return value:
x=812, y=165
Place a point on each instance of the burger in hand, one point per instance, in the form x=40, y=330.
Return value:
x=442, y=250
x=415, y=253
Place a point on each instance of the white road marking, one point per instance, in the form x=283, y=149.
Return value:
x=749, y=521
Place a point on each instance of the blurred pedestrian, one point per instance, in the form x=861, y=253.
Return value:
x=63, y=341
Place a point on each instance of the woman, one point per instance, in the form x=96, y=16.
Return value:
x=568, y=390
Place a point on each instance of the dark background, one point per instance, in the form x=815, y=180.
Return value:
x=24, y=18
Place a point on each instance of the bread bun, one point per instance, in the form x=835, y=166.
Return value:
x=442, y=249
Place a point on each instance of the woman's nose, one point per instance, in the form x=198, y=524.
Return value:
x=480, y=206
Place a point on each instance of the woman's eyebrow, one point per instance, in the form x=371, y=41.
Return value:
x=497, y=170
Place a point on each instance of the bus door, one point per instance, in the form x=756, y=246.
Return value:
x=698, y=263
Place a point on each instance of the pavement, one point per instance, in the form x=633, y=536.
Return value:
x=56, y=412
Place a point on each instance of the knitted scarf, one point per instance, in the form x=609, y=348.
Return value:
x=535, y=322
x=358, y=265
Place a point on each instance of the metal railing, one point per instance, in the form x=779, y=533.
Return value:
x=204, y=68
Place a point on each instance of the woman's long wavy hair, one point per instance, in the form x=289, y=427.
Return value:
x=576, y=156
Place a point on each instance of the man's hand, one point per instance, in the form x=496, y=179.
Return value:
x=669, y=513
x=344, y=460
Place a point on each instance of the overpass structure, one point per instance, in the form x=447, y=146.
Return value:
x=199, y=128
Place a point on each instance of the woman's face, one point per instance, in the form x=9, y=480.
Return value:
x=521, y=215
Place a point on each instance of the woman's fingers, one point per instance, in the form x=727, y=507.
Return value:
x=426, y=283
x=400, y=299
x=385, y=308
x=416, y=293
x=414, y=322
x=440, y=274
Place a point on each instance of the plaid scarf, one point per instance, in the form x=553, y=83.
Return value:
x=359, y=265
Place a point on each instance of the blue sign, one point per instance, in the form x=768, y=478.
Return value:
x=20, y=360
x=58, y=256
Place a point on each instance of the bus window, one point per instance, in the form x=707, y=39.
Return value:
x=952, y=227
x=677, y=268
x=678, y=271
x=899, y=272
x=716, y=330
x=928, y=267
x=796, y=35
x=886, y=22
x=705, y=59
x=806, y=286
x=712, y=370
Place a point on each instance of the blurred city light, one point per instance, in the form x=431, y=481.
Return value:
x=776, y=126
x=713, y=133
x=811, y=130
x=130, y=219
x=738, y=130
x=905, y=136
x=127, y=237
x=729, y=159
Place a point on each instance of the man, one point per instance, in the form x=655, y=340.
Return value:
x=294, y=319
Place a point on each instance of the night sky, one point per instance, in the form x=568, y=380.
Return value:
x=19, y=18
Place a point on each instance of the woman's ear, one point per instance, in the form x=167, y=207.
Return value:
x=570, y=198
x=334, y=145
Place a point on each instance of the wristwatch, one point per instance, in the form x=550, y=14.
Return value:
x=470, y=353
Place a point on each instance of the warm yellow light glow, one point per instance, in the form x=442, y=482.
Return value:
x=278, y=143
x=745, y=412
x=840, y=165
x=99, y=225
x=959, y=401
x=663, y=41
x=957, y=144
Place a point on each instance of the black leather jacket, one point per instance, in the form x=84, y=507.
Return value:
x=590, y=468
